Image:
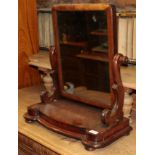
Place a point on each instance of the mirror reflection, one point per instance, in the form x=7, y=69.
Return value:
x=83, y=46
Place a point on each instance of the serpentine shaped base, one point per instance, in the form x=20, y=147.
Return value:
x=83, y=126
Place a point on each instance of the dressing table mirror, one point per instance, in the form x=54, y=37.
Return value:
x=87, y=97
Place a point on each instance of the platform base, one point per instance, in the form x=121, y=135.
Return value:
x=78, y=121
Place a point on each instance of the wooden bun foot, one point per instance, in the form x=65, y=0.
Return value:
x=88, y=148
x=29, y=118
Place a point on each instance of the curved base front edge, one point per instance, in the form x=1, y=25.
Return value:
x=91, y=138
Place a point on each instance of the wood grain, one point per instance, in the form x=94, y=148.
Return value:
x=27, y=42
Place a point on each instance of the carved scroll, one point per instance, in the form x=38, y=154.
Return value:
x=115, y=115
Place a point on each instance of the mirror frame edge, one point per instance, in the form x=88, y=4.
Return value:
x=112, y=46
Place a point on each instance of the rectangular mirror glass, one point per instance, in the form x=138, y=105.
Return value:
x=84, y=58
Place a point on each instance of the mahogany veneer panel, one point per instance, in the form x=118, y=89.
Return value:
x=73, y=113
x=75, y=119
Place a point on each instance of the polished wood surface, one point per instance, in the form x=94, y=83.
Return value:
x=128, y=73
x=27, y=42
x=59, y=143
x=81, y=7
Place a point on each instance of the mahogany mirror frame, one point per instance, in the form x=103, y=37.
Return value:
x=114, y=125
x=112, y=42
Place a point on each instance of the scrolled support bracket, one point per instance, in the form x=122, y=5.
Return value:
x=115, y=114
